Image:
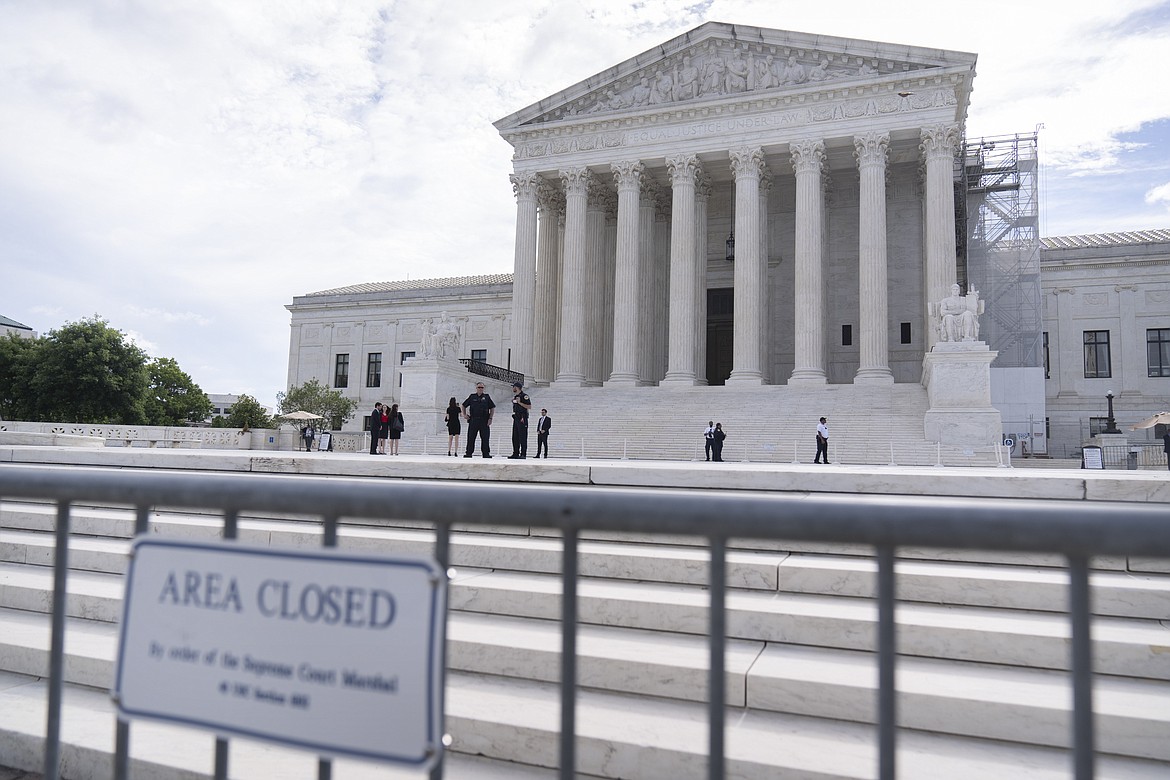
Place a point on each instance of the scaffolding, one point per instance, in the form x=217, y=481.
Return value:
x=998, y=232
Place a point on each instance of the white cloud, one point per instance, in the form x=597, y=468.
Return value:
x=1159, y=194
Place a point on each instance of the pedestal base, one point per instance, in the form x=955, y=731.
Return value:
x=957, y=377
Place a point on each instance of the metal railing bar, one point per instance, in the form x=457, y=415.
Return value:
x=328, y=539
x=443, y=559
x=568, y=762
x=1084, y=748
x=887, y=660
x=716, y=678
x=57, y=643
x=231, y=530
x=121, y=726
x=1064, y=527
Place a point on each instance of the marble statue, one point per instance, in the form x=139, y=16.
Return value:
x=446, y=338
x=687, y=85
x=958, y=315
x=428, y=338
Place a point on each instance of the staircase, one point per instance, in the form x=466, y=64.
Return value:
x=982, y=687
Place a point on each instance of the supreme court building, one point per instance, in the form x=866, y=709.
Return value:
x=749, y=207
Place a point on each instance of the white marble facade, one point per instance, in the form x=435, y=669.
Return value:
x=831, y=161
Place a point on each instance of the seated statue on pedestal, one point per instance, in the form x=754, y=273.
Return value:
x=441, y=341
x=958, y=315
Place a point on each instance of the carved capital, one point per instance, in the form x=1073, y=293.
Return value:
x=547, y=196
x=703, y=187
x=871, y=149
x=939, y=141
x=577, y=181
x=765, y=182
x=524, y=185
x=650, y=190
x=627, y=174
x=683, y=168
x=807, y=156
x=747, y=161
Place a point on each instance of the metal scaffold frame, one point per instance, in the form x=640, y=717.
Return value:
x=997, y=200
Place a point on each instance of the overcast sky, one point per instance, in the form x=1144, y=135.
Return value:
x=183, y=168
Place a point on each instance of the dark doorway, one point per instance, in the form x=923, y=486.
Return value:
x=720, y=332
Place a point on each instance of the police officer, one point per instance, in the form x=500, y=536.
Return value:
x=478, y=410
x=521, y=403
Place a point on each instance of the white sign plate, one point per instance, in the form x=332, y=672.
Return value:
x=326, y=650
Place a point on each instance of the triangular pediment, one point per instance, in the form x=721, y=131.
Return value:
x=717, y=62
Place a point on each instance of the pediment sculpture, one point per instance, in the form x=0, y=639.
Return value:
x=718, y=68
x=957, y=316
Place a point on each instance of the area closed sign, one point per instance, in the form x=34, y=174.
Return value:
x=325, y=650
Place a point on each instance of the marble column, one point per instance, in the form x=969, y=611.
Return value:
x=680, y=354
x=747, y=164
x=938, y=148
x=594, y=283
x=808, y=160
x=647, y=215
x=547, y=282
x=1068, y=341
x=609, y=271
x=765, y=287
x=572, y=366
x=627, y=285
x=871, y=150
x=524, y=186
x=560, y=280
x=702, y=198
x=1129, y=354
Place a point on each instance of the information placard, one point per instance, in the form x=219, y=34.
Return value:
x=327, y=650
x=1091, y=458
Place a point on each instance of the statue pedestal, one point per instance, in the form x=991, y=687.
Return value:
x=957, y=377
x=427, y=385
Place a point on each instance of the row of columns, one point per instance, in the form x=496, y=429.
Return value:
x=559, y=268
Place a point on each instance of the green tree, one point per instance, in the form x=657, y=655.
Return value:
x=247, y=412
x=315, y=397
x=89, y=372
x=173, y=398
x=18, y=362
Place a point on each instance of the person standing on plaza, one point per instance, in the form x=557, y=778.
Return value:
x=822, y=441
x=395, y=428
x=383, y=429
x=309, y=436
x=543, y=426
x=453, y=427
x=717, y=445
x=521, y=405
x=1166, y=446
x=709, y=438
x=375, y=427
x=478, y=410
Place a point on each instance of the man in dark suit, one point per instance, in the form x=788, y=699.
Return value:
x=375, y=427
x=543, y=425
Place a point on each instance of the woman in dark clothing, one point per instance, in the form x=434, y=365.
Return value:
x=453, y=427
x=397, y=425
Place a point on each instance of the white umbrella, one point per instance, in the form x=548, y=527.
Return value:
x=301, y=415
x=1161, y=418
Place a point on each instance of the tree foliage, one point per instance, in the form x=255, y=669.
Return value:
x=315, y=397
x=173, y=398
x=246, y=413
x=89, y=372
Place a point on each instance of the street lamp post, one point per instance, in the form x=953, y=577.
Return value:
x=1110, y=423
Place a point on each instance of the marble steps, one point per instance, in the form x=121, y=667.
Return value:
x=1116, y=594
x=1123, y=646
x=164, y=752
x=963, y=700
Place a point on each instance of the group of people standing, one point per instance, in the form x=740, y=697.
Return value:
x=479, y=409
x=386, y=426
x=714, y=435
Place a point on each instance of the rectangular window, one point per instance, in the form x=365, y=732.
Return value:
x=1097, y=354
x=906, y=333
x=374, y=370
x=846, y=335
x=479, y=354
x=1046, y=372
x=1097, y=424
x=341, y=371
x=1158, y=352
x=405, y=356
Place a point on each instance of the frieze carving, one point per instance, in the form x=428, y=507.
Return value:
x=719, y=68
x=311, y=333
x=376, y=332
x=343, y=333
x=1157, y=296
x=1096, y=299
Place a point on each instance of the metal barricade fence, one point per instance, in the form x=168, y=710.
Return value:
x=1074, y=529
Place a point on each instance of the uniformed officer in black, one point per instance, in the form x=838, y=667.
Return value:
x=478, y=410
x=521, y=403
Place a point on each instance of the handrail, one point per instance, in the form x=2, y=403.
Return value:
x=497, y=373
